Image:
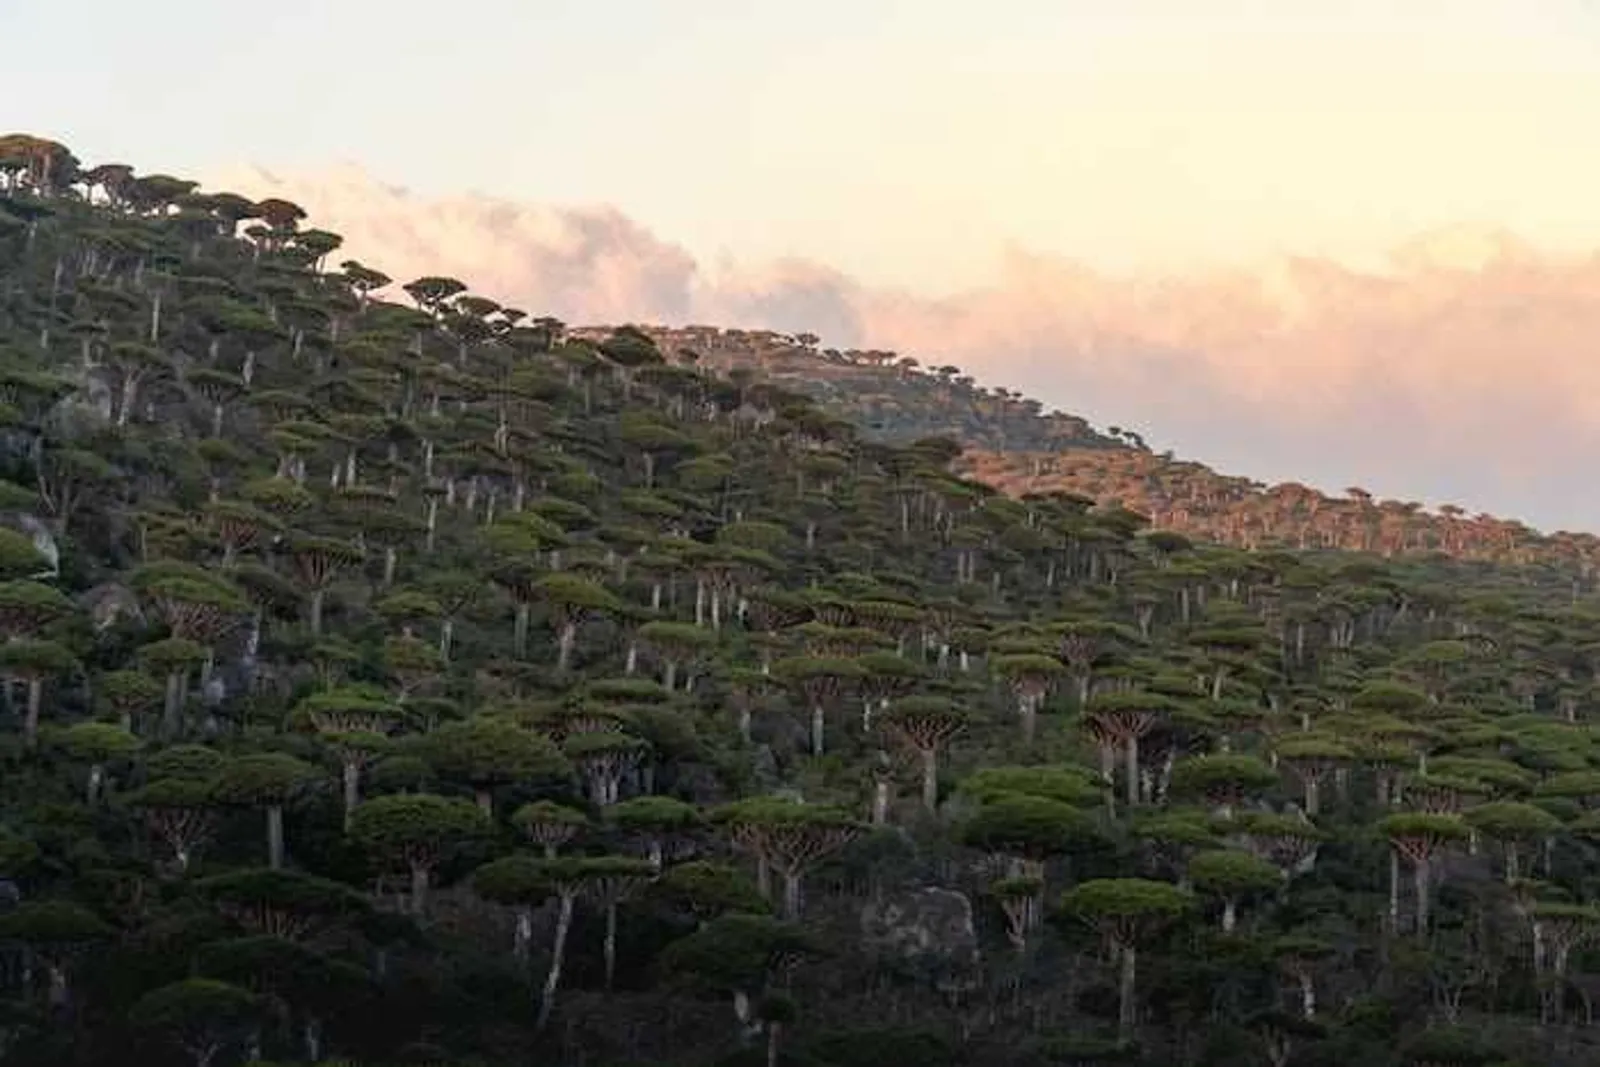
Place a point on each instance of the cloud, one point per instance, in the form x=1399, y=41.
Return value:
x=581, y=263
x=1461, y=369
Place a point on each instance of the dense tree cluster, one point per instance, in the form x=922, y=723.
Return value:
x=414, y=683
x=1192, y=499
x=890, y=397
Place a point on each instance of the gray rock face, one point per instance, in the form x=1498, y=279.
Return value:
x=109, y=602
x=928, y=931
x=43, y=542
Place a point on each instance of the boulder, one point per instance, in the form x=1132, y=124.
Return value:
x=928, y=931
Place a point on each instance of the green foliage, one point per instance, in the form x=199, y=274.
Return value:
x=417, y=827
x=1067, y=784
x=1229, y=873
x=1032, y=826
x=1121, y=901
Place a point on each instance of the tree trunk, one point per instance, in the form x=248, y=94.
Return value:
x=1420, y=876
x=519, y=636
x=522, y=938
x=275, y=836
x=419, y=889
x=172, y=706
x=1230, y=915
x=764, y=878
x=316, y=611
x=774, y=1035
x=30, y=723
x=930, y=779
x=1125, y=990
x=558, y=950
x=97, y=777
x=485, y=800
x=880, y=802
x=1308, y=996
x=791, y=895
x=611, y=944
x=351, y=776
x=818, y=722
x=564, y=644
x=447, y=633
x=1394, y=892
x=1131, y=754
x=312, y=1034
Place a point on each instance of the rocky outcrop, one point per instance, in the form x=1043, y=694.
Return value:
x=929, y=932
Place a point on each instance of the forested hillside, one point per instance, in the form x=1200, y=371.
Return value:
x=1010, y=442
x=412, y=683
x=891, y=397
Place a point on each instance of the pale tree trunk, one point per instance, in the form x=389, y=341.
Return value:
x=818, y=723
x=930, y=779
x=30, y=726
x=565, y=642
x=791, y=895
x=1126, y=1016
x=880, y=803
x=611, y=944
x=764, y=878
x=1420, y=874
x=275, y=836
x=519, y=636
x=1394, y=892
x=1131, y=754
x=774, y=1035
x=522, y=938
x=558, y=950
x=351, y=776
x=419, y=889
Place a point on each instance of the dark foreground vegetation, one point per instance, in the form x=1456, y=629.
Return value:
x=413, y=684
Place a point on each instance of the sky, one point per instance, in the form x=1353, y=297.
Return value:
x=1345, y=241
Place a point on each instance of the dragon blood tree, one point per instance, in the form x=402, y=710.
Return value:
x=926, y=724
x=788, y=837
x=1123, y=719
x=1418, y=837
x=1314, y=758
x=1225, y=781
x=1126, y=911
x=1031, y=678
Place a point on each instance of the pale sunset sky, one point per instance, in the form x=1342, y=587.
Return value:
x=1177, y=215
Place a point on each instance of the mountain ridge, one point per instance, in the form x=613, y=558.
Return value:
x=1014, y=444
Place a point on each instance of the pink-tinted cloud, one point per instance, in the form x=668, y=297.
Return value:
x=1462, y=370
